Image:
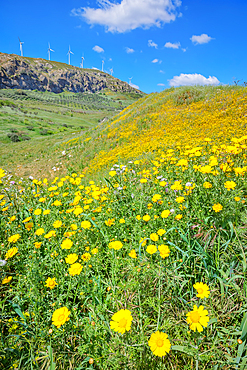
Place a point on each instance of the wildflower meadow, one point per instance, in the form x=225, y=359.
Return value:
x=138, y=261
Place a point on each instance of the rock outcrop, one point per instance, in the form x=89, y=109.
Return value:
x=43, y=75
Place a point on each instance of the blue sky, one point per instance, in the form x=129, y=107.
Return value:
x=159, y=43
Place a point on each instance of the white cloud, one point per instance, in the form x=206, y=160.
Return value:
x=129, y=14
x=192, y=79
x=184, y=49
x=155, y=61
x=202, y=39
x=170, y=45
x=161, y=71
x=161, y=85
x=135, y=86
x=98, y=49
x=129, y=50
x=152, y=44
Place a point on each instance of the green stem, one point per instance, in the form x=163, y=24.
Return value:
x=113, y=269
x=197, y=353
x=68, y=290
x=139, y=297
x=158, y=321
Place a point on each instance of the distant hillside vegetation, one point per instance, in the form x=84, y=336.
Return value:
x=18, y=72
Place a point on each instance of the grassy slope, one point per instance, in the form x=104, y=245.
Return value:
x=190, y=136
x=187, y=138
x=162, y=120
x=63, y=115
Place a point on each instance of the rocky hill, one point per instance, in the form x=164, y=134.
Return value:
x=18, y=72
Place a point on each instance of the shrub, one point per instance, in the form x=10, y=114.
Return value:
x=25, y=138
x=13, y=137
x=7, y=103
x=44, y=132
x=187, y=96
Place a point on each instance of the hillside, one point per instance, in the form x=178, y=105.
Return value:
x=132, y=254
x=18, y=72
x=169, y=119
x=33, y=122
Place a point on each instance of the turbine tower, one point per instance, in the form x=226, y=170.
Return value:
x=130, y=78
x=69, y=52
x=21, y=49
x=81, y=65
x=103, y=65
x=49, y=51
x=111, y=70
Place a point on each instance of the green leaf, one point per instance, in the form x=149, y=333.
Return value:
x=109, y=182
x=212, y=321
x=243, y=321
x=52, y=364
x=17, y=309
x=240, y=352
x=83, y=362
x=243, y=327
x=222, y=289
x=183, y=349
x=243, y=365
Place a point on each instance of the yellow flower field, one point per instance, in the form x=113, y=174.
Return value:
x=139, y=260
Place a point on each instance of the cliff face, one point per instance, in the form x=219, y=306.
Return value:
x=43, y=75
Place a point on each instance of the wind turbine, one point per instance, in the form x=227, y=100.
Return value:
x=21, y=46
x=103, y=65
x=111, y=70
x=49, y=51
x=81, y=65
x=69, y=52
x=130, y=78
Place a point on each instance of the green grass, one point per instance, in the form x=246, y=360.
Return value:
x=48, y=119
x=199, y=181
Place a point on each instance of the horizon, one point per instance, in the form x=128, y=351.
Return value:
x=174, y=42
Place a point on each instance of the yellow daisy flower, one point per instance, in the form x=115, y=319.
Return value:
x=151, y=249
x=7, y=280
x=71, y=258
x=115, y=245
x=51, y=283
x=60, y=316
x=217, y=207
x=75, y=269
x=159, y=343
x=66, y=244
x=14, y=238
x=132, y=253
x=86, y=224
x=11, y=252
x=198, y=318
x=202, y=290
x=121, y=321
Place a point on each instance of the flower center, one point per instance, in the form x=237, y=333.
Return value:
x=200, y=291
x=159, y=343
x=195, y=317
x=61, y=317
x=122, y=323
